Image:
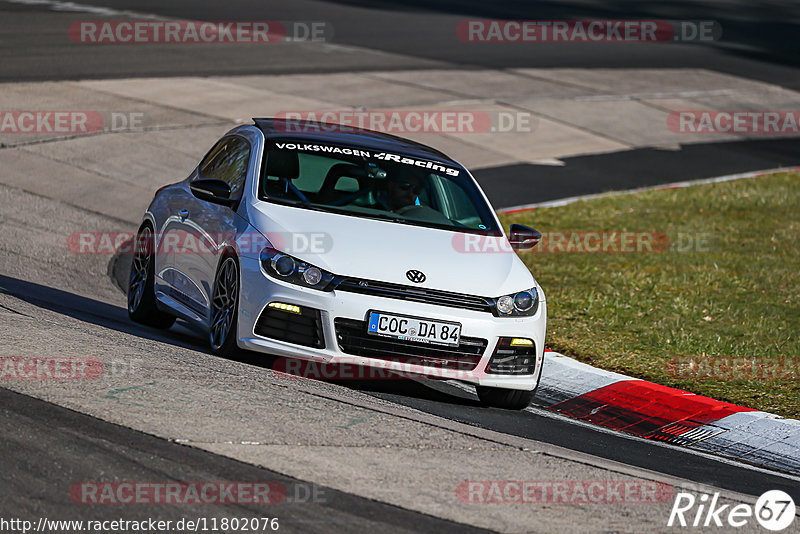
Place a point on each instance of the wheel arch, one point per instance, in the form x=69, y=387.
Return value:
x=228, y=251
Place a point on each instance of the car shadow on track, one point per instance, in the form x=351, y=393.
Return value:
x=107, y=315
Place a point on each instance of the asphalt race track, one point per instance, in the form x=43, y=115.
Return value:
x=452, y=403
x=758, y=38
x=400, y=35
x=36, y=429
x=104, y=447
x=180, y=414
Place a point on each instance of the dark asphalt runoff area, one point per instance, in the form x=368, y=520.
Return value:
x=515, y=185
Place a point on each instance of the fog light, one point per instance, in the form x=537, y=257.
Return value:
x=312, y=276
x=289, y=308
x=513, y=356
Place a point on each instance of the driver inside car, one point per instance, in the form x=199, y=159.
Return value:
x=402, y=191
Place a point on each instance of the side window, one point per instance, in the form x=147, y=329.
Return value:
x=228, y=161
x=456, y=204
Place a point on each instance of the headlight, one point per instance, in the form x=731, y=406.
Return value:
x=312, y=276
x=282, y=264
x=505, y=304
x=517, y=304
x=290, y=269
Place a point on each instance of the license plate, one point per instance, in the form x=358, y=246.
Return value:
x=410, y=328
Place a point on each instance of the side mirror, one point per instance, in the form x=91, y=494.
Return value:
x=523, y=237
x=212, y=190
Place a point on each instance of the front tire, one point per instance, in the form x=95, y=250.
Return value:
x=141, y=292
x=510, y=399
x=225, y=308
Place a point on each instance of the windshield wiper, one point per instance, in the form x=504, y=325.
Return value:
x=343, y=211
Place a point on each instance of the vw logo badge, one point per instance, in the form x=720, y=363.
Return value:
x=415, y=276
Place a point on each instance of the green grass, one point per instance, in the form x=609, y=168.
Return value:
x=636, y=313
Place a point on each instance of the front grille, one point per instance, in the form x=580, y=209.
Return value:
x=304, y=329
x=508, y=360
x=415, y=294
x=353, y=339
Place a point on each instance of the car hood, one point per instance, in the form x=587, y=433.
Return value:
x=385, y=251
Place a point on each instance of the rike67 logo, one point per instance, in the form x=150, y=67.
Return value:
x=774, y=510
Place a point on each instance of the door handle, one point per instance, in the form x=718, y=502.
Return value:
x=184, y=213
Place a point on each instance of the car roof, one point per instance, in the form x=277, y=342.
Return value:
x=322, y=132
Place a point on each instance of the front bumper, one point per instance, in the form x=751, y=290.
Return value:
x=258, y=290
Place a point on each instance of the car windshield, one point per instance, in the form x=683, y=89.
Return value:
x=370, y=184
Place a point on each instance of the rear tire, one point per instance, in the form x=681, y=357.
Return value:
x=510, y=399
x=225, y=309
x=141, y=292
